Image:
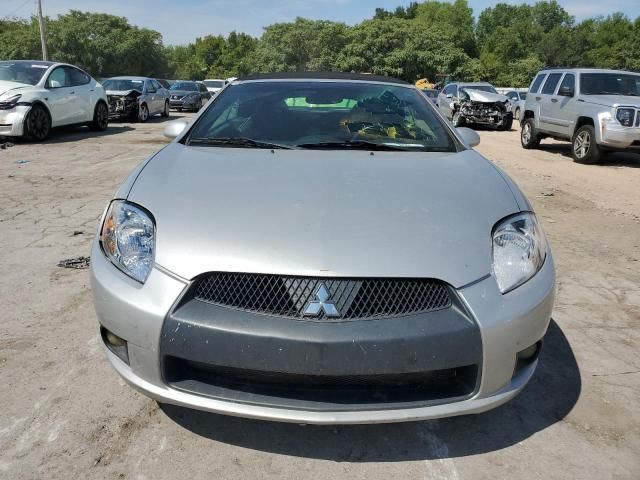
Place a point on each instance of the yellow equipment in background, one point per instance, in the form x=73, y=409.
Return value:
x=424, y=83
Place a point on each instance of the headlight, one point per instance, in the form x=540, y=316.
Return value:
x=128, y=239
x=10, y=102
x=625, y=116
x=519, y=250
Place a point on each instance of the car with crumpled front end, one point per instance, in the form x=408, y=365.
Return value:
x=136, y=98
x=597, y=110
x=322, y=248
x=476, y=103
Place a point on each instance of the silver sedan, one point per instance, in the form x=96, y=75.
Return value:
x=323, y=249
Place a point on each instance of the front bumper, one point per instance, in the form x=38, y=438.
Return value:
x=182, y=103
x=120, y=107
x=507, y=324
x=12, y=121
x=615, y=136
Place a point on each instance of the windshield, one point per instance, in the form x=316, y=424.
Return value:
x=214, y=83
x=122, y=84
x=29, y=73
x=189, y=86
x=333, y=115
x=609, y=84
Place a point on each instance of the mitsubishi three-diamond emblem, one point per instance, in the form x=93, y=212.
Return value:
x=322, y=304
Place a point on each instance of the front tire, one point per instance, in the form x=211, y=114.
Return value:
x=458, y=120
x=143, y=113
x=517, y=113
x=198, y=106
x=528, y=135
x=100, y=118
x=37, y=125
x=165, y=112
x=507, y=123
x=584, y=148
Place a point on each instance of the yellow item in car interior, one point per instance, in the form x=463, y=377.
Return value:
x=392, y=132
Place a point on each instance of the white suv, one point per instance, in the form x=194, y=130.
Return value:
x=597, y=110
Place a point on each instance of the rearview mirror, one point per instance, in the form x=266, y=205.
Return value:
x=565, y=92
x=175, y=128
x=469, y=137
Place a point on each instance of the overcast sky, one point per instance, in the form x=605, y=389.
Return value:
x=181, y=21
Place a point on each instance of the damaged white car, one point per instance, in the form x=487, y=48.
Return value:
x=467, y=104
x=36, y=96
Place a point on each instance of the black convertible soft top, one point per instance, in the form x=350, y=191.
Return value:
x=323, y=76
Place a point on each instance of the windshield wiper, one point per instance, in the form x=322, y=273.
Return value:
x=240, y=142
x=356, y=145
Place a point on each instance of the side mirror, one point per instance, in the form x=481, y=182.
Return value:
x=469, y=137
x=448, y=95
x=565, y=92
x=55, y=84
x=175, y=128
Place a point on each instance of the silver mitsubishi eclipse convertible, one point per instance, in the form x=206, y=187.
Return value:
x=322, y=249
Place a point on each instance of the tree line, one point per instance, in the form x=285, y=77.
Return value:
x=505, y=44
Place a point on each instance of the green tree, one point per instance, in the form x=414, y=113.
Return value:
x=401, y=48
x=106, y=45
x=310, y=45
x=19, y=39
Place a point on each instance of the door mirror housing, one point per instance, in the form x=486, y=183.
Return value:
x=448, y=95
x=175, y=128
x=565, y=92
x=469, y=137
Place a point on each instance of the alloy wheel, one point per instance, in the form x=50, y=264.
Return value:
x=144, y=113
x=102, y=116
x=526, y=133
x=39, y=124
x=581, y=144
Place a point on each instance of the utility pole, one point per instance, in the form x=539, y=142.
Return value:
x=43, y=33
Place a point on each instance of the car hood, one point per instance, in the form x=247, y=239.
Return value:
x=324, y=213
x=123, y=93
x=612, y=100
x=484, y=97
x=6, y=86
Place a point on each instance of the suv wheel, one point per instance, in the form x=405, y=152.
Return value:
x=584, y=148
x=528, y=135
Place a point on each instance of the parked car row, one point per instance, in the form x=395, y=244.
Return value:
x=597, y=110
x=36, y=96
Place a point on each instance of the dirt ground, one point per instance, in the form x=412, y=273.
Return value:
x=64, y=413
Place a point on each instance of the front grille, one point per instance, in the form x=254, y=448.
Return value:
x=284, y=388
x=291, y=296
